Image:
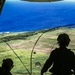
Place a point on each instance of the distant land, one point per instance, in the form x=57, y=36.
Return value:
x=26, y=40
x=22, y=43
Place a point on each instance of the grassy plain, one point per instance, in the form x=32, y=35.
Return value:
x=23, y=48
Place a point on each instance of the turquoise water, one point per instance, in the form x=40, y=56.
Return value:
x=29, y=16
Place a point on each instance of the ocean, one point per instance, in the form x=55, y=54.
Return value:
x=29, y=16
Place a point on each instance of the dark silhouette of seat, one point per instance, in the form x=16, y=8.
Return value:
x=62, y=58
x=7, y=65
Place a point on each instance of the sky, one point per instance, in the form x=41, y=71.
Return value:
x=12, y=0
x=69, y=0
x=19, y=0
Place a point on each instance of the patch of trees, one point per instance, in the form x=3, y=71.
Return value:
x=27, y=34
x=16, y=37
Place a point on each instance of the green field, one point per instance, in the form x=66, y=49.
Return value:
x=23, y=47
